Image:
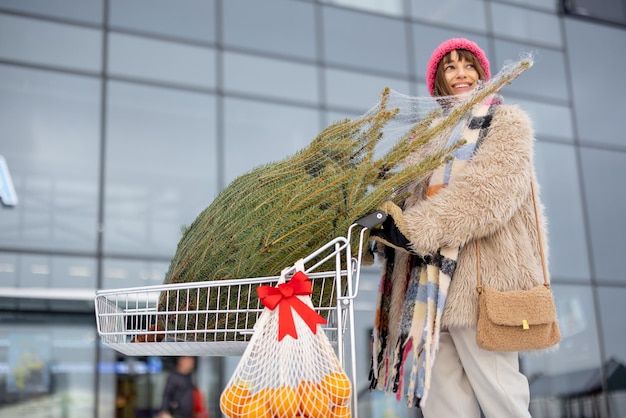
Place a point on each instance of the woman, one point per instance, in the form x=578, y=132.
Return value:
x=482, y=197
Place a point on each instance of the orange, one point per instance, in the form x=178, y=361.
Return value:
x=314, y=402
x=232, y=400
x=304, y=386
x=284, y=402
x=256, y=407
x=264, y=394
x=337, y=386
x=340, y=411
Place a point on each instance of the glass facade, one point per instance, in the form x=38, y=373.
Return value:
x=121, y=120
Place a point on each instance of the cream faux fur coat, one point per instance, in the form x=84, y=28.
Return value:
x=489, y=203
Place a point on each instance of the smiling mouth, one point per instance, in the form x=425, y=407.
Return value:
x=462, y=86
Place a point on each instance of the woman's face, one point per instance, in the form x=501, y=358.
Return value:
x=461, y=76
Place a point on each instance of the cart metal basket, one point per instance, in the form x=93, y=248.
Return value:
x=129, y=321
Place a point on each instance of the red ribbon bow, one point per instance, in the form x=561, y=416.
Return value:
x=285, y=295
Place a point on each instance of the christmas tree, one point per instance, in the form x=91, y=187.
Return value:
x=279, y=212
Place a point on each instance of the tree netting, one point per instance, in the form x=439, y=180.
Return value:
x=282, y=211
x=288, y=375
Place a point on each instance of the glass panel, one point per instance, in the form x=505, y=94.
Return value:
x=604, y=173
x=107, y=379
x=560, y=194
x=598, y=107
x=447, y=12
x=53, y=283
x=426, y=39
x=86, y=11
x=48, y=367
x=161, y=166
x=549, y=120
x=192, y=19
x=546, y=78
x=358, y=92
x=54, y=272
x=608, y=10
x=38, y=42
x=551, y=5
x=266, y=132
x=276, y=26
x=362, y=40
x=574, y=366
x=129, y=273
x=8, y=270
x=8, y=279
x=49, y=135
x=610, y=301
x=268, y=77
x=392, y=7
x=526, y=25
x=162, y=61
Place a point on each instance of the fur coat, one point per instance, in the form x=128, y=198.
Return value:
x=490, y=204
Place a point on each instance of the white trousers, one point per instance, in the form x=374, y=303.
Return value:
x=466, y=379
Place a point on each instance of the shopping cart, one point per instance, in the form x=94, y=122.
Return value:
x=216, y=318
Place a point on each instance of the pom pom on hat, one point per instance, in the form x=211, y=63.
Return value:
x=451, y=45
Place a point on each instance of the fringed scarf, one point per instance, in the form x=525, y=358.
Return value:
x=420, y=284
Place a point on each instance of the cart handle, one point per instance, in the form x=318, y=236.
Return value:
x=372, y=220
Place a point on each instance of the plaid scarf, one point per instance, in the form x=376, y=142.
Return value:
x=420, y=284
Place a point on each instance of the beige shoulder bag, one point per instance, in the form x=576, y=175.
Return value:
x=519, y=320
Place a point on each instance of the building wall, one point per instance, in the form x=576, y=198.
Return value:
x=121, y=120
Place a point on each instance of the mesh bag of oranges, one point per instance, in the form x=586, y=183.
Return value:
x=289, y=368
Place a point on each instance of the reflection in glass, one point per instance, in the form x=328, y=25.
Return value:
x=568, y=371
x=161, y=166
x=38, y=42
x=49, y=366
x=161, y=61
x=49, y=136
x=189, y=19
x=610, y=301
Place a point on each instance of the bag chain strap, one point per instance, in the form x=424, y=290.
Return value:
x=479, y=286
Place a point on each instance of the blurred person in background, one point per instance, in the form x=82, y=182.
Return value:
x=178, y=395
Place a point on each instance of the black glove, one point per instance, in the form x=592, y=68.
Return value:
x=390, y=232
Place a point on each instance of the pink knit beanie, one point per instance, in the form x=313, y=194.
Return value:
x=451, y=45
